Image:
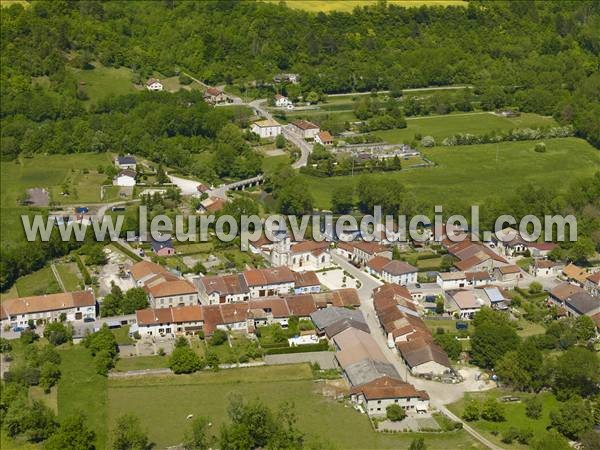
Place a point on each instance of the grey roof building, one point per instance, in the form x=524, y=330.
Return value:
x=327, y=316
x=368, y=370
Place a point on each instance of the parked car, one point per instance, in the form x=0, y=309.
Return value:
x=89, y=319
x=18, y=329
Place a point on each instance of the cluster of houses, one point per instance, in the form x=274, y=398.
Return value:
x=270, y=128
x=374, y=382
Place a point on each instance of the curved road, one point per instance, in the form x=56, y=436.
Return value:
x=440, y=394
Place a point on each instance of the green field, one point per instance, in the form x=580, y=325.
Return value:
x=50, y=172
x=515, y=416
x=81, y=389
x=101, y=81
x=37, y=283
x=141, y=363
x=349, y=5
x=70, y=275
x=468, y=174
x=162, y=403
x=441, y=127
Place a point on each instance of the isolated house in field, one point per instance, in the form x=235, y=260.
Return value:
x=282, y=101
x=125, y=178
x=164, y=248
x=126, y=162
x=76, y=306
x=324, y=138
x=154, y=85
x=266, y=128
x=306, y=129
x=214, y=96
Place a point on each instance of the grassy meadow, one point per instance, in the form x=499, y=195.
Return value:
x=50, y=172
x=474, y=173
x=162, y=403
x=100, y=82
x=441, y=127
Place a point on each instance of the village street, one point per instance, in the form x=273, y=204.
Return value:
x=440, y=394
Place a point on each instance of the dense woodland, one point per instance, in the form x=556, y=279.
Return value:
x=539, y=56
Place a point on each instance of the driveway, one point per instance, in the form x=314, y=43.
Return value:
x=188, y=187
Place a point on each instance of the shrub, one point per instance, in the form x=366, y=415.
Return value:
x=184, y=360
x=57, y=333
x=533, y=408
x=219, y=337
x=395, y=413
x=428, y=141
x=471, y=412
x=540, y=147
x=492, y=411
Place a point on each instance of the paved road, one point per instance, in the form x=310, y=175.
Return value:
x=440, y=393
x=306, y=148
x=433, y=88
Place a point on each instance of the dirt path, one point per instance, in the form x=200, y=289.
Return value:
x=58, y=278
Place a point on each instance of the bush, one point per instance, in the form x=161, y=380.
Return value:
x=492, y=411
x=540, y=147
x=428, y=141
x=320, y=347
x=471, y=412
x=185, y=360
x=28, y=336
x=395, y=413
x=219, y=337
x=57, y=333
x=533, y=408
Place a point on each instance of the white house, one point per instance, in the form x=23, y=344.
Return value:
x=75, y=306
x=306, y=283
x=154, y=85
x=126, y=162
x=451, y=280
x=306, y=129
x=169, y=321
x=269, y=282
x=544, y=268
x=309, y=255
x=266, y=128
x=222, y=289
x=166, y=294
x=324, y=138
x=125, y=178
x=382, y=392
x=283, y=102
x=400, y=273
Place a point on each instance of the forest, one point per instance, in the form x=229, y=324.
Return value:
x=539, y=56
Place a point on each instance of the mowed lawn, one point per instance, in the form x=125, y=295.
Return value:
x=475, y=173
x=163, y=403
x=514, y=413
x=349, y=5
x=70, y=275
x=50, y=172
x=441, y=127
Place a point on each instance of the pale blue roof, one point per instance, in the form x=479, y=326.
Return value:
x=494, y=294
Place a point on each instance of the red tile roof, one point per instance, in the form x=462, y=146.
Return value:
x=389, y=388
x=377, y=263
x=43, y=303
x=306, y=279
x=264, y=277
x=172, y=288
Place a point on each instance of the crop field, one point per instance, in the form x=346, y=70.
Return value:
x=163, y=403
x=101, y=81
x=441, y=127
x=50, y=172
x=349, y=5
x=476, y=173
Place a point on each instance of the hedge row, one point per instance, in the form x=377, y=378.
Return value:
x=320, y=347
x=274, y=345
x=525, y=294
x=87, y=278
x=128, y=252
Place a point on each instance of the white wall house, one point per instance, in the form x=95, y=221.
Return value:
x=451, y=280
x=221, y=289
x=125, y=178
x=154, y=85
x=266, y=128
x=400, y=273
x=172, y=293
x=75, y=306
x=169, y=321
x=269, y=282
x=283, y=102
x=378, y=394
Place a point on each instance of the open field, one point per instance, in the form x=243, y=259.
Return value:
x=349, y=5
x=515, y=416
x=141, y=363
x=470, y=174
x=70, y=275
x=37, y=283
x=100, y=82
x=50, y=172
x=81, y=389
x=441, y=127
x=162, y=403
